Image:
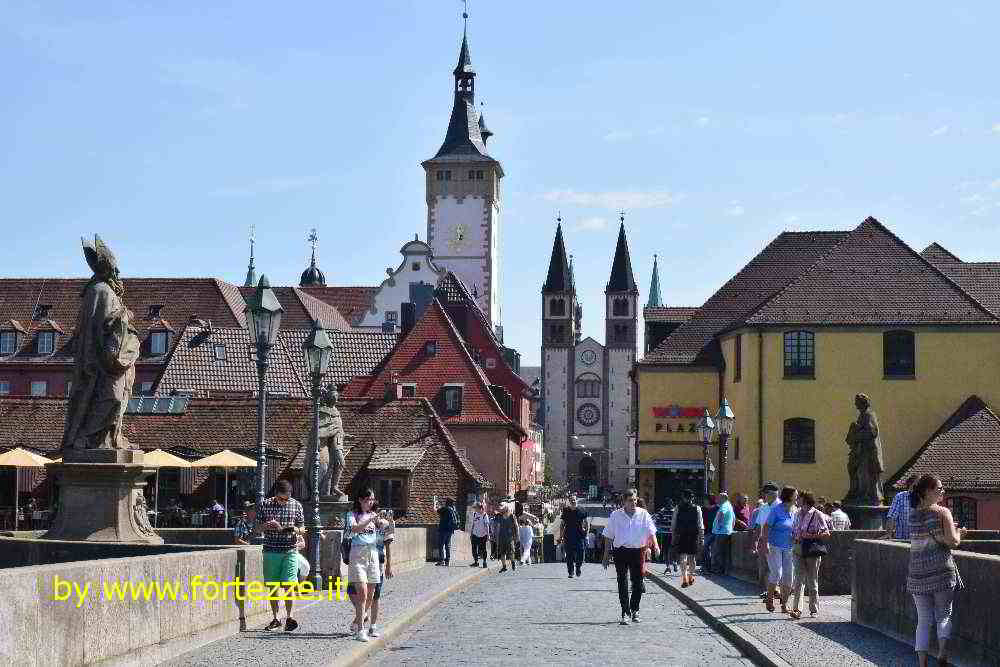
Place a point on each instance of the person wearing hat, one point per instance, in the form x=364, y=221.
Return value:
x=769, y=492
x=479, y=533
x=245, y=526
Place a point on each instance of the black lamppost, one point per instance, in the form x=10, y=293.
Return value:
x=318, y=350
x=724, y=419
x=706, y=427
x=263, y=316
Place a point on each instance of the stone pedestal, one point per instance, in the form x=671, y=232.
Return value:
x=331, y=509
x=866, y=517
x=101, y=497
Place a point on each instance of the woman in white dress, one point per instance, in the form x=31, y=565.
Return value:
x=526, y=536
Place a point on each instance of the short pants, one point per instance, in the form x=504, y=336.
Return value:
x=281, y=566
x=378, y=590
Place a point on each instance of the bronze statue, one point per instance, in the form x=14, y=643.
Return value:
x=106, y=349
x=865, y=464
x=332, y=453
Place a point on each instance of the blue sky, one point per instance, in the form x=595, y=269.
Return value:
x=715, y=125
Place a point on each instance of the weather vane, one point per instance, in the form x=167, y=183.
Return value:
x=313, y=238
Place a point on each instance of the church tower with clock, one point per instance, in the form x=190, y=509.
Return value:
x=464, y=199
x=586, y=388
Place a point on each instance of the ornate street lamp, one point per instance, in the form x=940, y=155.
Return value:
x=724, y=419
x=318, y=350
x=263, y=316
x=706, y=427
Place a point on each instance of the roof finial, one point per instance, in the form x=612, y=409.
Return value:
x=559, y=217
x=313, y=238
x=621, y=216
x=251, y=272
x=465, y=15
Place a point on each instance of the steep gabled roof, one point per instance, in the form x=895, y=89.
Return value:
x=766, y=274
x=621, y=279
x=355, y=352
x=351, y=302
x=301, y=308
x=938, y=254
x=559, y=278
x=871, y=277
x=964, y=452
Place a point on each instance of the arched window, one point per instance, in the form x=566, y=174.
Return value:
x=557, y=307
x=898, y=354
x=800, y=354
x=619, y=308
x=588, y=385
x=800, y=440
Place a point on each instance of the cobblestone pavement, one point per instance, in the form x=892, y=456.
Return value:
x=323, y=630
x=539, y=616
x=828, y=639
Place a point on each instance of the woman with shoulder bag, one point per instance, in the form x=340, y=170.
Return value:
x=364, y=571
x=933, y=576
x=810, y=533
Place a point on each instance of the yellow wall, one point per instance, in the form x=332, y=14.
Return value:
x=951, y=364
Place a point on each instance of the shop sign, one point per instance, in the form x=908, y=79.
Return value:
x=677, y=412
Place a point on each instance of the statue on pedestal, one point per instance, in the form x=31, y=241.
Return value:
x=106, y=349
x=332, y=452
x=865, y=464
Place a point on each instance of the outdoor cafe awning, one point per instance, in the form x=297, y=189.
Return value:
x=670, y=464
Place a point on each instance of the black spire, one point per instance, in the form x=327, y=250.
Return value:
x=560, y=279
x=251, y=279
x=483, y=130
x=621, y=269
x=464, y=66
x=312, y=277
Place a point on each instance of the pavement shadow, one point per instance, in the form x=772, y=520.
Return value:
x=864, y=642
x=578, y=623
x=303, y=635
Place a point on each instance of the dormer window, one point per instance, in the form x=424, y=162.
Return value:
x=452, y=394
x=46, y=343
x=158, y=343
x=154, y=311
x=220, y=352
x=430, y=348
x=41, y=312
x=8, y=343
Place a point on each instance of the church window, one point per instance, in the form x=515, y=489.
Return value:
x=619, y=307
x=800, y=354
x=479, y=175
x=800, y=440
x=440, y=175
x=447, y=174
x=472, y=174
x=588, y=385
x=557, y=307
x=46, y=343
x=898, y=354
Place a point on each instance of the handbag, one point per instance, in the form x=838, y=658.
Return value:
x=813, y=548
x=345, y=546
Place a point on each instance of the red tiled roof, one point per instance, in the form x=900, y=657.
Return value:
x=451, y=364
x=351, y=302
x=964, y=452
x=300, y=309
x=871, y=277
x=766, y=274
x=193, y=366
x=980, y=279
x=669, y=313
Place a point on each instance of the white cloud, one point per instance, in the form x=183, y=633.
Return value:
x=613, y=200
x=735, y=210
x=995, y=185
x=996, y=128
x=594, y=224
x=618, y=135
x=703, y=121
x=940, y=131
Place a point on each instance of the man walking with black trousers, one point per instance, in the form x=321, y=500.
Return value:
x=629, y=529
x=573, y=535
x=479, y=532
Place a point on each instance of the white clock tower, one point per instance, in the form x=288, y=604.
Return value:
x=464, y=197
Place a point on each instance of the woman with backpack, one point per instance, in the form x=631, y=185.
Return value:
x=688, y=530
x=810, y=532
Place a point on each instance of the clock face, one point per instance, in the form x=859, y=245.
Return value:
x=458, y=238
x=588, y=357
x=588, y=414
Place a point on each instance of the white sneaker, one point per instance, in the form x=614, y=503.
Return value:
x=373, y=630
x=354, y=627
x=361, y=635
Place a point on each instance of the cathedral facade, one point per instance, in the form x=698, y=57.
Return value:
x=587, y=388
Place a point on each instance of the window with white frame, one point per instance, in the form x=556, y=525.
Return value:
x=4, y=387
x=39, y=388
x=158, y=343
x=452, y=399
x=46, y=342
x=8, y=343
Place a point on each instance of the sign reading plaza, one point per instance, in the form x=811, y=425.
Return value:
x=208, y=590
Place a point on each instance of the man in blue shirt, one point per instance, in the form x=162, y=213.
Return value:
x=898, y=518
x=722, y=528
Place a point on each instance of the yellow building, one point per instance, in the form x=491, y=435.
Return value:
x=812, y=320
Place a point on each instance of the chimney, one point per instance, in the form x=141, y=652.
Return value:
x=407, y=317
x=393, y=389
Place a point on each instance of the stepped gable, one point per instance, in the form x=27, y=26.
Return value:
x=788, y=255
x=871, y=278
x=964, y=452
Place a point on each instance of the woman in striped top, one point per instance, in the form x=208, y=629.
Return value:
x=932, y=577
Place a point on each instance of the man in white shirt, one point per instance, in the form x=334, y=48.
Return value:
x=838, y=518
x=479, y=533
x=770, y=491
x=629, y=530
